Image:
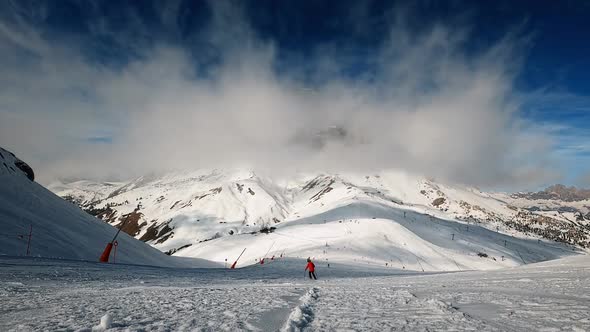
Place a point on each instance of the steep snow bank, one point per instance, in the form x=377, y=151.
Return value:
x=61, y=229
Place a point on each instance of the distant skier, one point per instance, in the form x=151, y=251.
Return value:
x=311, y=268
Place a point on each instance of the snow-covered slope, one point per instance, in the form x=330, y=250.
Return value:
x=393, y=218
x=60, y=229
x=88, y=190
x=548, y=296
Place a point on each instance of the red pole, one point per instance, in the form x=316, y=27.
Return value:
x=29, y=241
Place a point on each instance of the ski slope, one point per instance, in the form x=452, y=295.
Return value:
x=549, y=296
x=390, y=218
x=417, y=242
x=59, y=228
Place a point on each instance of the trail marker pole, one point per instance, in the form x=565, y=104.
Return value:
x=418, y=260
x=29, y=241
x=115, y=244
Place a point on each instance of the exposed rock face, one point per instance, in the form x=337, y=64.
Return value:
x=26, y=169
x=130, y=223
x=557, y=192
x=551, y=228
x=158, y=232
x=319, y=138
x=439, y=201
x=332, y=134
x=11, y=163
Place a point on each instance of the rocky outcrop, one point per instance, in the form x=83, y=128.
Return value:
x=26, y=169
x=11, y=163
x=557, y=192
x=439, y=201
x=550, y=228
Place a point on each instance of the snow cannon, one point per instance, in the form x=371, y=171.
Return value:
x=104, y=258
x=233, y=266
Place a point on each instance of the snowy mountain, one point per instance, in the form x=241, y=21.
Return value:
x=36, y=222
x=393, y=218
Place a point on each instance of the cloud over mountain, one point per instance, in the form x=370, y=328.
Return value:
x=423, y=102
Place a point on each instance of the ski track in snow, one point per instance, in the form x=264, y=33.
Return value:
x=49, y=295
x=303, y=314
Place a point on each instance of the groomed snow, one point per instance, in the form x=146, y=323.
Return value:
x=372, y=234
x=42, y=295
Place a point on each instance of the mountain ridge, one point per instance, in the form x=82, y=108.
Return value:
x=557, y=192
x=180, y=212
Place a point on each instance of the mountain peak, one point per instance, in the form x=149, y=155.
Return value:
x=557, y=192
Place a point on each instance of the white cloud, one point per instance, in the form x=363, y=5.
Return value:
x=430, y=108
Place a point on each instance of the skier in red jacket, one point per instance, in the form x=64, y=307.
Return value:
x=311, y=268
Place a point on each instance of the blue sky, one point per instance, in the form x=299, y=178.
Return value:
x=540, y=48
